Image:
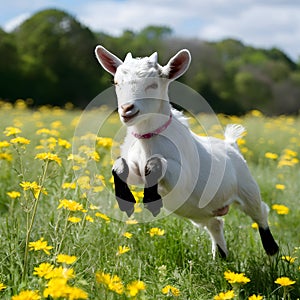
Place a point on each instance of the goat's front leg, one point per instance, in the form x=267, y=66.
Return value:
x=124, y=196
x=153, y=174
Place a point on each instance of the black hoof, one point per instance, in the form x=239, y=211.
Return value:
x=268, y=241
x=154, y=207
x=126, y=206
x=222, y=254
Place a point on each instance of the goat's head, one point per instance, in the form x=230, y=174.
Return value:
x=141, y=83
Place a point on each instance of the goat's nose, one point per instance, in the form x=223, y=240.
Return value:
x=127, y=107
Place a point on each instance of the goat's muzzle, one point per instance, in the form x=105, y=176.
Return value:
x=129, y=111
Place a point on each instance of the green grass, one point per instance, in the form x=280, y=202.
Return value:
x=181, y=257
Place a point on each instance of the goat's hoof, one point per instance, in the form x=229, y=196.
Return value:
x=126, y=206
x=268, y=241
x=154, y=207
x=221, y=253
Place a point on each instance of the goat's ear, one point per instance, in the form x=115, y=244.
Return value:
x=107, y=60
x=153, y=58
x=128, y=57
x=178, y=64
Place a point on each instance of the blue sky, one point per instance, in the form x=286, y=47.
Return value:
x=262, y=23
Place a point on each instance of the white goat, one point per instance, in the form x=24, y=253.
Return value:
x=198, y=177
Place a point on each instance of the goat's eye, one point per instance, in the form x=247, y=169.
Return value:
x=152, y=86
x=114, y=82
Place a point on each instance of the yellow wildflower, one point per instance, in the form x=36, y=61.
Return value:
x=69, y=185
x=6, y=156
x=122, y=250
x=101, y=178
x=127, y=235
x=156, y=231
x=89, y=219
x=131, y=222
x=271, y=155
x=232, y=277
x=284, y=281
x=254, y=225
x=225, y=296
x=40, y=245
x=74, y=219
x=67, y=259
x=12, y=131
x=289, y=259
x=34, y=187
x=93, y=207
x=134, y=287
x=102, y=277
x=48, y=157
x=98, y=188
x=256, y=113
x=2, y=286
x=70, y=205
x=13, y=194
x=47, y=131
x=27, y=185
x=77, y=159
x=74, y=292
x=281, y=209
x=20, y=140
x=254, y=297
x=280, y=186
x=60, y=272
x=103, y=216
x=4, y=144
x=171, y=291
x=138, y=196
x=93, y=155
x=114, y=283
x=290, y=152
x=43, y=269
x=89, y=137
x=27, y=295
x=104, y=142
x=64, y=143
x=56, y=124
x=84, y=182
x=56, y=288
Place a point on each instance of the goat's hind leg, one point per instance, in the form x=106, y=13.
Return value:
x=258, y=210
x=215, y=228
x=124, y=196
x=153, y=173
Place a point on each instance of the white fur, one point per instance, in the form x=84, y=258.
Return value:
x=201, y=174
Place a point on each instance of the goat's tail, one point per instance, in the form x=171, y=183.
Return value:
x=233, y=132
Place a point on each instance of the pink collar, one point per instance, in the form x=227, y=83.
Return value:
x=157, y=131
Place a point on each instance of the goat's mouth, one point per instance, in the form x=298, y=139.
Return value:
x=129, y=116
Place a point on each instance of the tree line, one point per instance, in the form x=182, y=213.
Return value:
x=50, y=59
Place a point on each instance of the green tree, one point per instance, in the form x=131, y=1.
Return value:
x=57, y=59
x=10, y=76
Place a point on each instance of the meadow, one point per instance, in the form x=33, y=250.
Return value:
x=62, y=235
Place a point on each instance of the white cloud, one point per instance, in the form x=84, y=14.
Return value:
x=263, y=23
x=114, y=17
x=260, y=25
x=13, y=23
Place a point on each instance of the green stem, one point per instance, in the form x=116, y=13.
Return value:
x=30, y=222
x=63, y=235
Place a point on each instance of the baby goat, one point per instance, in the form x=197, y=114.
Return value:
x=197, y=177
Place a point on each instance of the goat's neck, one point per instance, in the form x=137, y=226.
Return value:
x=154, y=121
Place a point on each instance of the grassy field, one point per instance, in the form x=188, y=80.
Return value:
x=62, y=235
